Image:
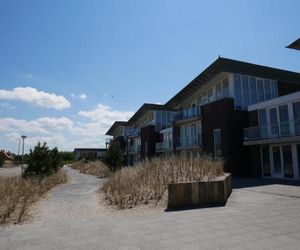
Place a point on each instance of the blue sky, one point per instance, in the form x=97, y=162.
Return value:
x=120, y=54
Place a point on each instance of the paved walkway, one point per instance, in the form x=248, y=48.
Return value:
x=74, y=217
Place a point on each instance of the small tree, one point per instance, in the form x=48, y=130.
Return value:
x=43, y=161
x=113, y=156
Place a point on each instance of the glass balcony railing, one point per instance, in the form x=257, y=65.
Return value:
x=164, y=146
x=189, y=113
x=134, y=149
x=189, y=141
x=273, y=130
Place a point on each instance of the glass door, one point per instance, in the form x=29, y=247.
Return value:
x=266, y=168
x=263, y=123
x=288, y=161
x=284, y=120
x=273, y=122
x=277, y=161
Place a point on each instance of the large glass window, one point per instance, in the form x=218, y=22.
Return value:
x=204, y=98
x=284, y=120
x=274, y=90
x=274, y=122
x=165, y=119
x=267, y=88
x=210, y=95
x=296, y=108
x=238, y=91
x=218, y=91
x=225, y=88
x=158, y=119
x=287, y=161
x=265, y=160
x=262, y=115
x=253, y=92
x=245, y=90
x=260, y=90
x=276, y=159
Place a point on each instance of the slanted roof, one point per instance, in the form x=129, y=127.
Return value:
x=115, y=125
x=294, y=45
x=148, y=107
x=231, y=66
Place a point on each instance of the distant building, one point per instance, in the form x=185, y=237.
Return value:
x=7, y=155
x=89, y=153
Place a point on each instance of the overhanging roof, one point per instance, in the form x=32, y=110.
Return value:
x=231, y=66
x=114, y=126
x=294, y=45
x=89, y=149
x=148, y=107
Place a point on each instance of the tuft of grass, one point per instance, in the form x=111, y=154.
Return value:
x=148, y=180
x=17, y=193
x=97, y=168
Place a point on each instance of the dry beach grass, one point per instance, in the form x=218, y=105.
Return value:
x=147, y=182
x=18, y=193
x=97, y=168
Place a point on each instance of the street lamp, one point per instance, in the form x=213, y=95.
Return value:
x=23, y=138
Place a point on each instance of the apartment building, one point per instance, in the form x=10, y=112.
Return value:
x=213, y=115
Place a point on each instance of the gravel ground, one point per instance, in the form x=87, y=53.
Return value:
x=75, y=216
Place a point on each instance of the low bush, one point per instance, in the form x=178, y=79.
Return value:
x=148, y=181
x=113, y=156
x=17, y=193
x=97, y=168
x=42, y=161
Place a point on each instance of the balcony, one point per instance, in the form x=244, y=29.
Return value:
x=272, y=131
x=189, y=142
x=133, y=149
x=164, y=146
x=134, y=132
x=193, y=112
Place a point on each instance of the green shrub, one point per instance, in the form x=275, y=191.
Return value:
x=43, y=161
x=113, y=156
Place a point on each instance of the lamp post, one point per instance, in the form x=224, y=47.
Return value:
x=23, y=138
